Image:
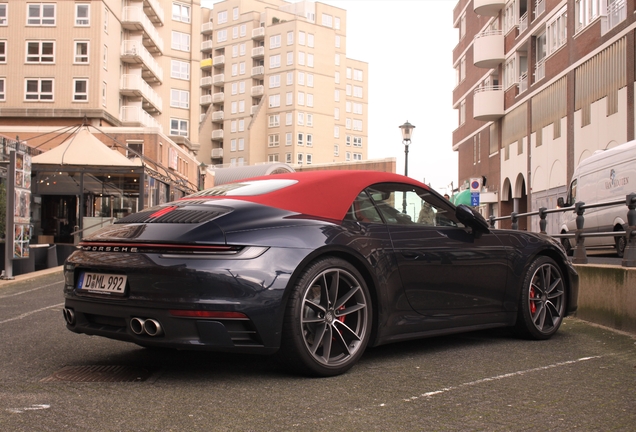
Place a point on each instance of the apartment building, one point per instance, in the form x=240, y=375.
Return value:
x=541, y=85
x=277, y=86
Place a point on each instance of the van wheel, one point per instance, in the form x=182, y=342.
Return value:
x=621, y=242
x=567, y=245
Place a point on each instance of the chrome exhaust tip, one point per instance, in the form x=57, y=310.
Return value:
x=153, y=327
x=69, y=316
x=137, y=325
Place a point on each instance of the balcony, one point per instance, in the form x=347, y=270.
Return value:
x=217, y=117
x=217, y=135
x=218, y=97
x=135, y=115
x=205, y=99
x=488, y=7
x=218, y=79
x=539, y=70
x=258, y=33
x=154, y=11
x=206, y=81
x=133, y=51
x=206, y=63
x=218, y=60
x=206, y=28
x=258, y=52
x=135, y=19
x=135, y=86
x=254, y=109
x=258, y=91
x=488, y=49
x=488, y=103
x=217, y=153
x=523, y=23
x=206, y=45
x=523, y=82
x=258, y=71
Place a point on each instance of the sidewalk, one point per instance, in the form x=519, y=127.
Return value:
x=28, y=276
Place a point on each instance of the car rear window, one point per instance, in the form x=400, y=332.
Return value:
x=247, y=188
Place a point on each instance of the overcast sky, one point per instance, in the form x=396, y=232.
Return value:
x=413, y=44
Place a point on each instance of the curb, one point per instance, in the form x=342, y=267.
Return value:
x=29, y=276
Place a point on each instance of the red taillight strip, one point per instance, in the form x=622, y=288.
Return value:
x=207, y=314
x=160, y=245
x=162, y=212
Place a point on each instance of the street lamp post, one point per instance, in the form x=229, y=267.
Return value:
x=407, y=131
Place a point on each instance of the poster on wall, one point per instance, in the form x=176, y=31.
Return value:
x=21, y=239
x=22, y=206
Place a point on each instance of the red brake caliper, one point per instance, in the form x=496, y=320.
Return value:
x=341, y=318
x=533, y=306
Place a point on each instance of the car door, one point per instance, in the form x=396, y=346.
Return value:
x=446, y=271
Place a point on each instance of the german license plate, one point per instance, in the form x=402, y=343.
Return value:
x=102, y=283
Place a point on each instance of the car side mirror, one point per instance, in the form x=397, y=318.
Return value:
x=473, y=219
x=560, y=202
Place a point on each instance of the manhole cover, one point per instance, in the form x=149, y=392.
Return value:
x=99, y=374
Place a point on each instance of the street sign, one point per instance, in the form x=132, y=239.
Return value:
x=475, y=185
x=474, y=199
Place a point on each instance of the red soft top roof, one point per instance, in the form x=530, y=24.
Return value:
x=326, y=194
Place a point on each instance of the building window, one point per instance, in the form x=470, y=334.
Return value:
x=310, y=80
x=221, y=35
x=106, y=13
x=510, y=72
x=288, y=139
x=41, y=14
x=81, y=52
x=348, y=140
x=242, y=68
x=179, y=98
x=274, y=101
x=300, y=98
x=241, y=125
x=233, y=145
x=301, y=78
x=273, y=140
x=38, y=89
x=336, y=131
x=274, y=120
x=242, y=87
x=327, y=20
x=357, y=91
x=301, y=119
x=556, y=30
x=290, y=38
x=462, y=26
x=222, y=17
x=336, y=150
x=274, y=81
x=336, y=113
x=616, y=14
x=357, y=141
x=290, y=78
x=2, y=91
x=289, y=119
x=310, y=60
x=301, y=38
x=308, y=158
x=243, y=30
x=289, y=98
x=310, y=120
x=180, y=41
x=242, y=106
x=357, y=156
x=337, y=41
x=40, y=52
x=274, y=41
x=80, y=90
x=233, y=108
x=310, y=100
x=3, y=15
x=290, y=58
x=178, y=127
x=357, y=75
x=180, y=12
x=347, y=156
x=309, y=140
x=299, y=158
x=104, y=93
x=357, y=125
x=180, y=70
x=105, y=58
x=272, y=158
x=134, y=150
x=288, y=158
x=310, y=40
x=301, y=58
x=462, y=112
x=3, y=51
x=241, y=144
x=274, y=61
x=82, y=15
x=300, y=140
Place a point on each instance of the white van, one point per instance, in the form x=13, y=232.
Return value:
x=607, y=175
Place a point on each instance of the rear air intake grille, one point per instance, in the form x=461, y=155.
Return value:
x=175, y=215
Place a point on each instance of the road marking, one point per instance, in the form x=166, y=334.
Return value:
x=31, y=408
x=26, y=314
x=499, y=377
x=28, y=291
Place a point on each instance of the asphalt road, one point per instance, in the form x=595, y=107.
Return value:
x=584, y=378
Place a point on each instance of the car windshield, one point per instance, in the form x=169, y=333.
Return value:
x=247, y=188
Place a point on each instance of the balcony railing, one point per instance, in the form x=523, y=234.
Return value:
x=205, y=99
x=133, y=51
x=523, y=23
x=217, y=117
x=488, y=49
x=134, y=18
x=134, y=85
x=154, y=11
x=206, y=63
x=258, y=33
x=206, y=81
x=254, y=109
x=258, y=91
x=539, y=8
x=258, y=52
x=135, y=114
x=206, y=28
x=616, y=14
x=258, y=71
x=217, y=134
x=217, y=153
x=218, y=97
x=488, y=103
x=218, y=79
x=523, y=82
x=206, y=45
x=218, y=60
x=539, y=70
x=488, y=7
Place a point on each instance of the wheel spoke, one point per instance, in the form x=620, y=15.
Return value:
x=349, y=310
x=539, y=317
x=318, y=338
x=333, y=287
x=343, y=328
x=326, y=343
x=345, y=298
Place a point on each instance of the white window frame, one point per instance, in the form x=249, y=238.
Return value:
x=290, y=38
x=181, y=129
x=180, y=41
x=274, y=120
x=221, y=17
x=274, y=100
x=40, y=57
x=326, y=20
x=3, y=86
x=274, y=81
x=233, y=145
x=42, y=19
x=81, y=58
x=556, y=31
x=241, y=144
x=39, y=95
x=310, y=40
x=4, y=14
x=274, y=41
x=289, y=138
x=80, y=96
x=82, y=21
x=274, y=61
x=181, y=12
x=177, y=70
x=179, y=98
x=221, y=35
x=289, y=119
x=273, y=140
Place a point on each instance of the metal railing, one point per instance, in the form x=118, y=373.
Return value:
x=580, y=253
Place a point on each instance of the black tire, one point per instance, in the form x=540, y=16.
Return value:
x=542, y=300
x=620, y=243
x=328, y=319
